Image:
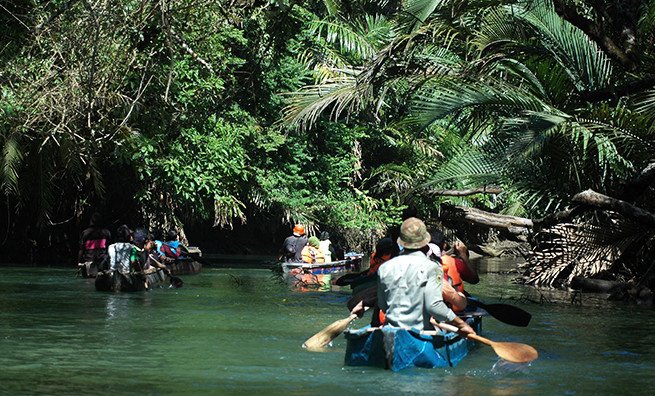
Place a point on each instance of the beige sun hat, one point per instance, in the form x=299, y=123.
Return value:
x=413, y=234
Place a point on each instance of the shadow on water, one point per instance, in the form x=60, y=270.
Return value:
x=235, y=330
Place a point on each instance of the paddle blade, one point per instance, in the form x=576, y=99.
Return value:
x=329, y=333
x=347, y=279
x=515, y=352
x=176, y=282
x=510, y=351
x=368, y=296
x=506, y=313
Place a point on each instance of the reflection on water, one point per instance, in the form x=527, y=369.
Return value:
x=238, y=331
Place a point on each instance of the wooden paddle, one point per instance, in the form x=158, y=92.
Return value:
x=506, y=313
x=318, y=341
x=511, y=351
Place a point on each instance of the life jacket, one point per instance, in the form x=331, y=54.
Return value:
x=312, y=255
x=450, y=272
x=376, y=262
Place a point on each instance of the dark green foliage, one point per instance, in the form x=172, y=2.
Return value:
x=337, y=114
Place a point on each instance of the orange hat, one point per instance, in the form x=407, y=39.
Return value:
x=298, y=230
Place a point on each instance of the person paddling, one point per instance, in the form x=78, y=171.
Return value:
x=410, y=285
x=457, y=265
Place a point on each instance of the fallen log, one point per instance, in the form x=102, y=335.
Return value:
x=596, y=285
x=512, y=223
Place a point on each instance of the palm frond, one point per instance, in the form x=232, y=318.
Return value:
x=339, y=96
x=354, y=39
x=416, y=12
x=445, y=97
x=645, y=103
x=226, y=209
x=583, y=249
x=12, y=157
x=588, y=67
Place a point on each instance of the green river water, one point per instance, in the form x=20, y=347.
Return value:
x=238, y=331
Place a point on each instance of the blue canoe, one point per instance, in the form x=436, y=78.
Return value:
x=396, y=349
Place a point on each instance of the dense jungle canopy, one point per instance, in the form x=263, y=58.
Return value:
x=338, y=114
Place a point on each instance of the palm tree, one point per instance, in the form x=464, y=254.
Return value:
x=542, y=105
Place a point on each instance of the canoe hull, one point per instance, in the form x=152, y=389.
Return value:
x=114, y=281
x=184, y=267
x=317, y=277
x=396, y=349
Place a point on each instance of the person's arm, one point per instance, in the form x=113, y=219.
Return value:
x=437, y=307
x=452, y=297
x=434, y=295
x=155, y=263
x=463, y=328
x=382, y=300
x=111, y=252
x=464, y=267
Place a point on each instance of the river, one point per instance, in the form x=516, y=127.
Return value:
x=237, y=330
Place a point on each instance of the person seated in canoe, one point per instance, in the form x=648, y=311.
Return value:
x=148, y=257
x=453, y=286
x=410, y=286
x=385, y=250
x=291, y=250
x=94, y=241
x=457, y=264
x=151, y=259
x=172, y=248
x=327, y=247
x=123, y=254
x=312, y=252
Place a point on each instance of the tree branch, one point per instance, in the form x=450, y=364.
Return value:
x=557, y=217
x=616, y=92
x=592, y=198
x=589, y=27
x=191, y=51
x=470, y=191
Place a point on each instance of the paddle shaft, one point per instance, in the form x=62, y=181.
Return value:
x=330, y=332
x=475, y=337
